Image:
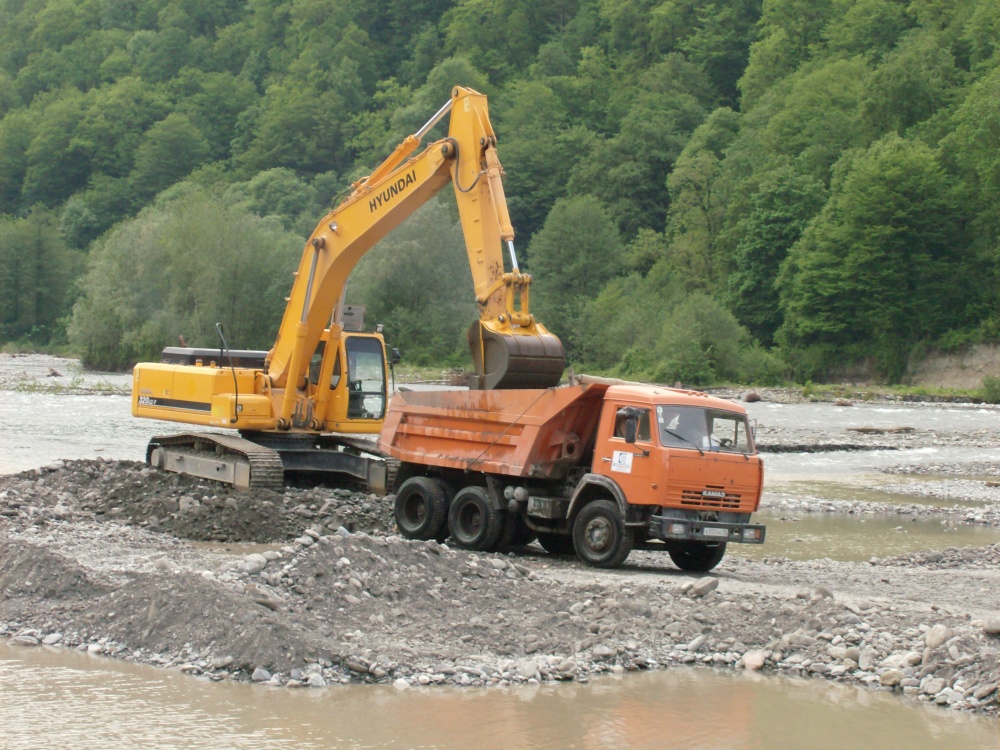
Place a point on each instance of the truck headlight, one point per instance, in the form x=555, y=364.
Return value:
x=677, y=528
x=751, y=534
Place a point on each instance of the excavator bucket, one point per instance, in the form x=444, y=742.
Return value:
x=529, y=358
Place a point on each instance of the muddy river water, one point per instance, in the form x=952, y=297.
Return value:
x=52, y=697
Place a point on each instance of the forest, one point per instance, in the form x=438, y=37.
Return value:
x=751, y=191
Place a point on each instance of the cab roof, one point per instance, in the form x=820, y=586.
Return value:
x=653, y=395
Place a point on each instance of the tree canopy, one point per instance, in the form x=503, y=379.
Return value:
x=702, y=190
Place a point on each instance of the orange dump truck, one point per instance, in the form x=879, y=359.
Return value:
x=594, y=467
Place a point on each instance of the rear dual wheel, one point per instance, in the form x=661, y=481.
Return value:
x=421, y=508
x=473, y=521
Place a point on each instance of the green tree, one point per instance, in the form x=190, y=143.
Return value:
x=178, y=268
x=780, y=209
x=37, y=270
x=169, y=151
x=878, y=269
x=573, y=256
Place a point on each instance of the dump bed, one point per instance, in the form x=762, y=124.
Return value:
x=522, y=433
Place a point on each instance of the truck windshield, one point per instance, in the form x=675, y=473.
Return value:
x=703, y=429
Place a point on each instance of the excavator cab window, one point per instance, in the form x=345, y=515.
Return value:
x=365, y=378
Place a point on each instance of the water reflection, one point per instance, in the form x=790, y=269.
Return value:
x=118, y=705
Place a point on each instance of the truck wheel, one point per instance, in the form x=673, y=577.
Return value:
x=697, y=557
x=473, y=521
x=556, y=544
x=600, y=536
x=421, y=508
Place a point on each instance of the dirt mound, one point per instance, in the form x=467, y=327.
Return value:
x=187, y=507
x=28, y=570
x=166, y=613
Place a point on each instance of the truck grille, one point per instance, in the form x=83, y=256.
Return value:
x=695, y=498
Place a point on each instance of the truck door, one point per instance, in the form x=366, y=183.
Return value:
x=631, y=465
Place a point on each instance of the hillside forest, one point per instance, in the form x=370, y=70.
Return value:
x=750, y=191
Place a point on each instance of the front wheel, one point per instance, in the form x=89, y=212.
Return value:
x=421, y=508
x=697, y=557
x=600, y=536
x=473, y=521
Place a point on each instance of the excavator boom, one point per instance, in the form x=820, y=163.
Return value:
x=506, y=337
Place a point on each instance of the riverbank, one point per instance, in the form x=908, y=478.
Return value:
x=110, y=557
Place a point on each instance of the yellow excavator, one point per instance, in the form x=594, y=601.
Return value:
x=302, y=406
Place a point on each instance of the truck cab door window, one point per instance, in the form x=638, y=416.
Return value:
x=365, y=378
x=642, y=426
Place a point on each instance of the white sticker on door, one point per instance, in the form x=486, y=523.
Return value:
x=622, y=461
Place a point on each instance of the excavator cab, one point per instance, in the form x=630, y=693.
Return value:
x=357, y=401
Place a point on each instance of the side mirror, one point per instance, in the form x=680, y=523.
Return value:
x=394, y=356
x=631, y=416
x=630, y=430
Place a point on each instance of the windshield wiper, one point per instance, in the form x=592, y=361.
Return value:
x=681, y=437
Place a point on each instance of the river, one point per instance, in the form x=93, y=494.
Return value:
x=54, y=697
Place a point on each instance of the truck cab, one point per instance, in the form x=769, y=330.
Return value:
x=678, y=449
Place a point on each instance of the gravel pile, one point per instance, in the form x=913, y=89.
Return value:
x=91, y=558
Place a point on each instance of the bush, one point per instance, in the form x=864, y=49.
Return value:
x=991, y=389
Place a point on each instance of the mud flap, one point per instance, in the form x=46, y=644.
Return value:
x=515, y=360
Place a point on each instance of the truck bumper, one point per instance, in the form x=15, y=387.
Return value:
x=670, y=529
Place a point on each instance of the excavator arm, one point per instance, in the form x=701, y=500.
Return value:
x=510, y=348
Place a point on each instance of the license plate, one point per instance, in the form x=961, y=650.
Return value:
x=716, y=532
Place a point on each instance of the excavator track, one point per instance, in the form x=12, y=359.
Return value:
x=223, y=458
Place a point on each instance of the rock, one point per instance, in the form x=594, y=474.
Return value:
x=316, y=680
x=754, y=660
x=865, y=660
x=853, y=653
x=822, y=592
x=528, y=669
x=992, y=625
x=704, y=586
x=252, y=564
x=567, y=669
x=187, y=504
x=891, y=677
x=697, y=643
x=260, y=675
x=357, y=665
x=937, y=635
x=52, y=639
x=933, y=686
x=220, y=662
x=984, y=690
x=602, y=652
x=400, y=684
x=24, y=640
